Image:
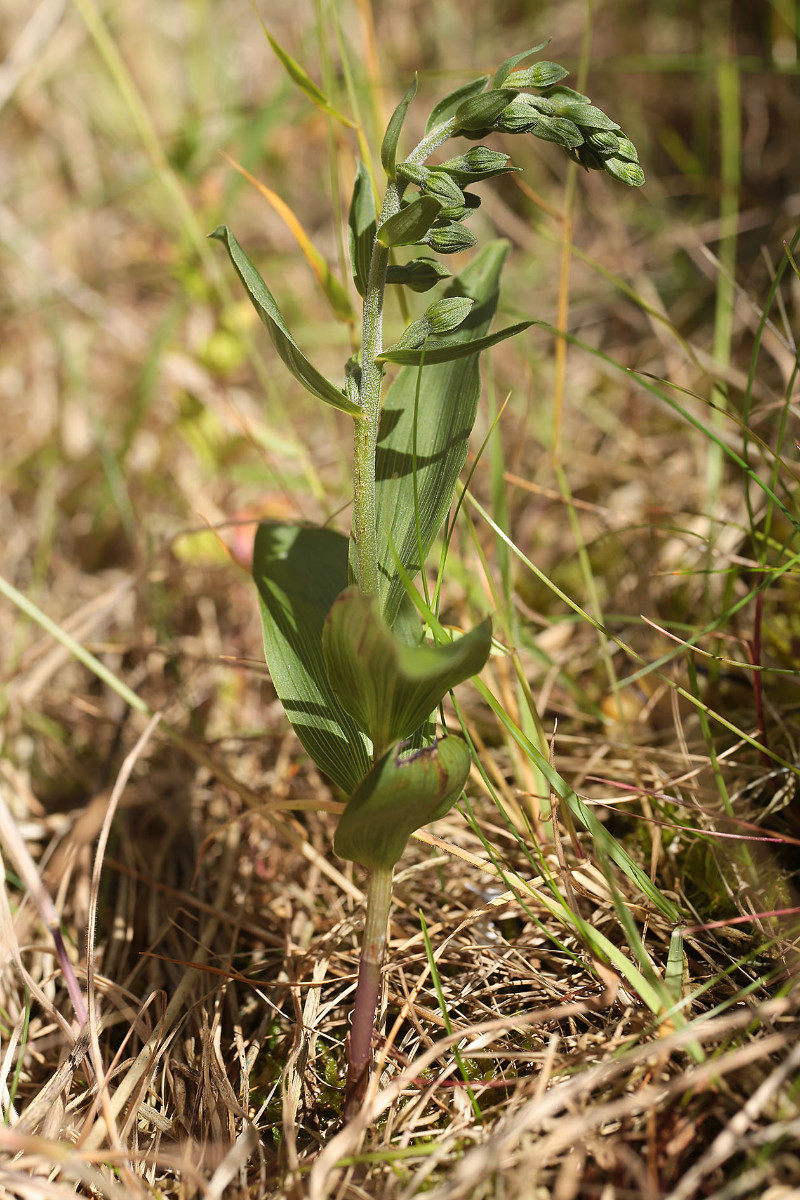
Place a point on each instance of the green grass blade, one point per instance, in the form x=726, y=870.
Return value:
x=303, y=81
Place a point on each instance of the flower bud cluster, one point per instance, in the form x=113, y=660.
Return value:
x=556, y=114
x=569, y=119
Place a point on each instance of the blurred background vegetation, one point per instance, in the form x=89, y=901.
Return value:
x=141, y=403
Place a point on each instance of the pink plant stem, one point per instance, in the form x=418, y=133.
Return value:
x=373, y=947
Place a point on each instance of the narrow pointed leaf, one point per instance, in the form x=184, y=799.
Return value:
x=399, y=795
x=447, y=409
x=392, y=135
x=446, y=108
x=504, y=70
x=264, y=303
x=388, y=687
x=436, y=351
x=299, y=572
x=361, y=225
x=304, y=82
x=411, y=223
x=331, y=285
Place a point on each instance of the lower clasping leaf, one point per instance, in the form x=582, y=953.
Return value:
x=389, y=688
x=400, y=794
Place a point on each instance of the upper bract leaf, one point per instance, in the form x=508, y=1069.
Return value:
x=399, y=795
x=387, y=686
x=264, y=303
x=504, y=70
x=392, y=135
x=446, y=107
x=361, y=225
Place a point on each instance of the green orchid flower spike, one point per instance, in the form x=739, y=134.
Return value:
x=346, y=652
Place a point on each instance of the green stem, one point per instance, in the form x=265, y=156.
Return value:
x=373, y=947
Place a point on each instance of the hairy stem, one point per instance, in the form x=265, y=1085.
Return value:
x=379, y=898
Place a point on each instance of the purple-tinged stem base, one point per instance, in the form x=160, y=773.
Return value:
x=359, y=1044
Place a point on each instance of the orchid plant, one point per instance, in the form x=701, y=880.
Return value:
x=344, y=643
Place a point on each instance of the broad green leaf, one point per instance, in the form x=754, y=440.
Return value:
x=442, y=316
x=541, y=75
x=399, y=795
x=361, y=225
x=420, y=274
x=504, y=70
x=446, y=108
x=392, y=135
x=411, y=223
x=304, y=82
x=480, y=112
x=299, y=572
x=264, y=303
x=441, y=352
x=447, y=408
x=388, y=687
